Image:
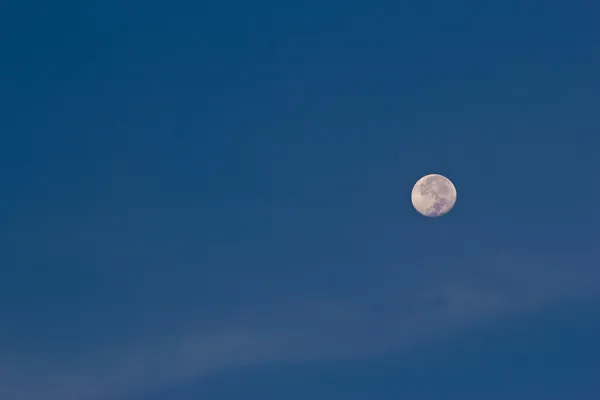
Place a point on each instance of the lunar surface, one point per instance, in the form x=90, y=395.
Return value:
x=433, y=195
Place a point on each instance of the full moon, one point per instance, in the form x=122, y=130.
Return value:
x=433, y=195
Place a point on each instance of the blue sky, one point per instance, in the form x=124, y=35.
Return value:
x=214, y=201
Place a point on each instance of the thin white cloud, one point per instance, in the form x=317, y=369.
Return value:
x=388, y=318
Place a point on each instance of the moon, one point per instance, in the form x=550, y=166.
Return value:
x=433, y=195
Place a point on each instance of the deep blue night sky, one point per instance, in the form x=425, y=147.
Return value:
x=213, y=201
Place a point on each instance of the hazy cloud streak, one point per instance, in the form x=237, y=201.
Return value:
x=392, y=317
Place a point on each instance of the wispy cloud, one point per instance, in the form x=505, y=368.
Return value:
x=392, y=316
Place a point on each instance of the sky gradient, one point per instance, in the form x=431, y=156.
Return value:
x=213, y=201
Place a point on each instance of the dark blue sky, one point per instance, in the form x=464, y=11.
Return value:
x=213, y=201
